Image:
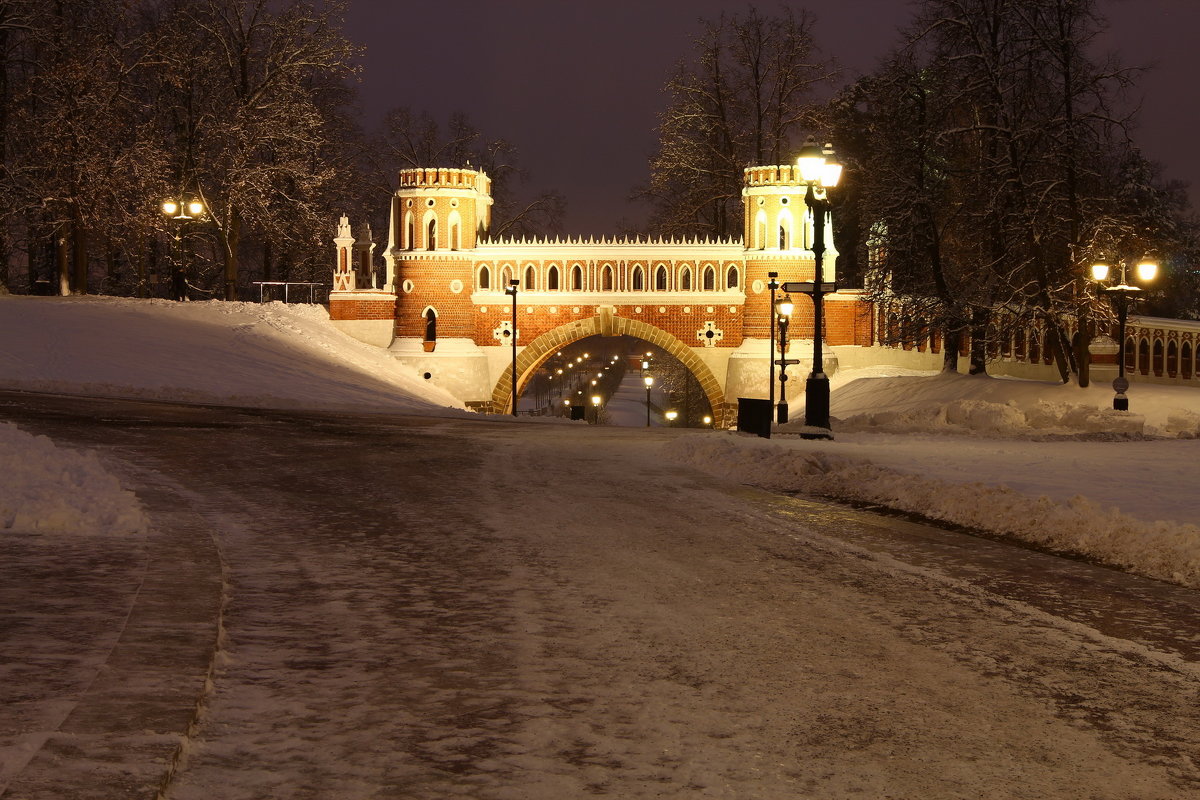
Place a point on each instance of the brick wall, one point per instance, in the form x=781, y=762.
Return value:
x=358, y=305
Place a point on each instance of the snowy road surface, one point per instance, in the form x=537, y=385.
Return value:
x=436, y=608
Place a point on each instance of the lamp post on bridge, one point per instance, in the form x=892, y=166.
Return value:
x=784, y=309
x=512, y=289
x=649, y=382
x=773, y=284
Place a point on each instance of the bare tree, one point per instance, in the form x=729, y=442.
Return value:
x=242, y=90
x=414, y=139
x=745, y=98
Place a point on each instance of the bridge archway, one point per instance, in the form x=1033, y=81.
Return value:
x=543, y=347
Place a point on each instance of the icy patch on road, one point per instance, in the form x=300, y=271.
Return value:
x=48, y=489
x=1164, y=550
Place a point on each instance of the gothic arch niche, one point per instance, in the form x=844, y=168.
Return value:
x=455, y=225
x=543, y=347
x=430, y=316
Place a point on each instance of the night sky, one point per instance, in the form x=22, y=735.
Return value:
x=577, y=84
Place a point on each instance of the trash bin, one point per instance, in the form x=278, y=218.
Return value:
x=754, y=416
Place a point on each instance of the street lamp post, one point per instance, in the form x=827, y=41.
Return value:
x=1124, y=294
x=596, y=408
x=181, y=211
x=512, y=289
x=821, y=171
x=785, y=309
x=649, y=382
x=773, y=284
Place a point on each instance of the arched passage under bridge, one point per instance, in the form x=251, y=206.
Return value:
x=531, y=358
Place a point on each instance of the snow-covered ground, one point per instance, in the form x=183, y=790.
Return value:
x=1043, y=462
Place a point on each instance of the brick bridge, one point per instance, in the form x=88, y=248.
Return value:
x=442, y=308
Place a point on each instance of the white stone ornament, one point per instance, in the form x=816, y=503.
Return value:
x=504, y=332
x=710, y=334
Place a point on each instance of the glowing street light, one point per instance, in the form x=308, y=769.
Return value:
x=1146, y=271
x=181, y=211
x=821, y=171
x=784, y=309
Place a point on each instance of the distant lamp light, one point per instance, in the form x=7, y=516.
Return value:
x=811, y=161
x=596, y=400
x=671, y=415
x=786, y=306
x=649, y=379
x=707, y=419
x=1147, y=270
x=1100, y=271
x=195, y=208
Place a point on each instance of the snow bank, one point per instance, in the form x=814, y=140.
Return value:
x=270, y=355
x=51, y=490
x=1164, y=550
x=954, y=403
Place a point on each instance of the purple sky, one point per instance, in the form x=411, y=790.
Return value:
x=576, y=84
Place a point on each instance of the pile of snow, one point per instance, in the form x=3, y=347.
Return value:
x=954, y=403
x=48, y=489
x=1162, y=549
x=269, y=355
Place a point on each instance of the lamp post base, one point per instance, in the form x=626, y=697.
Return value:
x=781, y=413
x=1121, y=402
x=816, y=401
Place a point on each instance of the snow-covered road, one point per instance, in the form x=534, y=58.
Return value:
x=433, y=608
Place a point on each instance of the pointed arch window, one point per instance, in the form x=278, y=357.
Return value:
x=485, y=277
x=685, y=280
x=505, y=277
x=410, y=232
x=710, y=279
x=638, y=283
x=552, y=279
x=430, y=325
x=731, y=278
x=576, y=278
x=606, y=283
x=783, y=238
x=431, y=235
x=660, y=278
x=530, y=279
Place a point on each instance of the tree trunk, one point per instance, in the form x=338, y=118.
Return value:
x=267, y=258
x=979, y=324
x=951, y=340
x=79, y=251
x=61, y=260
x=232, y=237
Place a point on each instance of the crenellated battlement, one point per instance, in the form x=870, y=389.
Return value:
x=773, y=175
x=609, y=241
x=444, y=178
